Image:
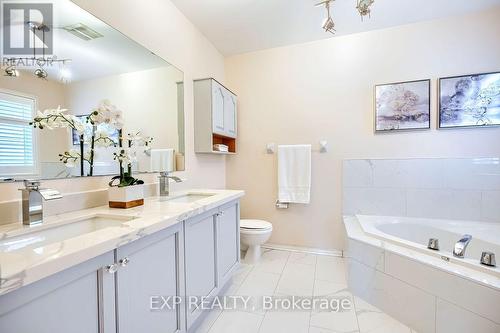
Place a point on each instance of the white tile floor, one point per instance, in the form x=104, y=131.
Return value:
x=284, y=273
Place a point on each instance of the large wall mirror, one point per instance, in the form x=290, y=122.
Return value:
x=87, y=92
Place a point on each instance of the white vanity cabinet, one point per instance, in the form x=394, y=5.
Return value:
x=78, y=300
x=215, y=113
x=228, y=246
x=124, y=290
x=150, y=272
x=211, y=253
x=200, y=260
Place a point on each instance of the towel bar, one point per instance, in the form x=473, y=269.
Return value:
x=323, y=147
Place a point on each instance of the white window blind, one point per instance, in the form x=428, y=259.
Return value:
x=17, y=149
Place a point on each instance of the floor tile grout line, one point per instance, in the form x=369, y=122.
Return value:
x=314, y=286
x=213, y=323
x=355, y=312
x=275, y=288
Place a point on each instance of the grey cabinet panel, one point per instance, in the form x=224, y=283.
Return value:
x=65, y=302
x=154, y=269
x=228, y=235
x=200, y=261
x=200, y=256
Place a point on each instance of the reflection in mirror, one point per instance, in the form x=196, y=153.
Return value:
x=93, y=69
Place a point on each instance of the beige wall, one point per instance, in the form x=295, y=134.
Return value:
x=147, y=98
x=162, y=28
x=324, y=91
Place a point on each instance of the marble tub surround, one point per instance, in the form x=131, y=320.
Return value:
x=421, y=291
x=458, y=188
x=24, y=266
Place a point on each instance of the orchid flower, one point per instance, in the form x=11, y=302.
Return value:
x=57, y=118
x=106, y=113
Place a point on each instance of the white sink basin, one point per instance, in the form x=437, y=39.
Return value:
x=190, y=197
x=42, y=235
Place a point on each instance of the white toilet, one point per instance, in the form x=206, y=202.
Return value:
x=254, y=233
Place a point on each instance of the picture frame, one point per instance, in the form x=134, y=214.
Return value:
x=469, y=101
x=402, y=106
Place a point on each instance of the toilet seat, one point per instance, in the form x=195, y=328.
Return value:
x=255, y=225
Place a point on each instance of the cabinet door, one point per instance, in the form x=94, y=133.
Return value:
x=77, y=300
x=200, y=260
x=150, y=268
x=217, y=108
x=228, y=239
x=230, y=112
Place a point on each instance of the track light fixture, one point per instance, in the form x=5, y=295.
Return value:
x=362, y=6
x=40, y=61
x=41, y=73
x=11, y=71
x=328, y=24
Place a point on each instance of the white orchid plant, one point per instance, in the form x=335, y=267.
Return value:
x=58, y=118
x=105, y=113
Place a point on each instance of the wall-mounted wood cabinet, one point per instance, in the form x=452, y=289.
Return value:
x=215, y=117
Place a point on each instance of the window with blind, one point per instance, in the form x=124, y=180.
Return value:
x=17, y=147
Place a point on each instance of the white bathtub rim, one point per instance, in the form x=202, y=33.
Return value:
x=472, y=263
x=355, y=232
x=485, y=236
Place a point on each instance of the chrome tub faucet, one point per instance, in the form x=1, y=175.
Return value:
x=33, y=198
x=461, y=245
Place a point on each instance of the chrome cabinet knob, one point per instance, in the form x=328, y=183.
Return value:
x=488, y=259
x=111, y=269
x=125, y=261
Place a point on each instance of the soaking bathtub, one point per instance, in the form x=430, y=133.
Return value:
x=390, y=266
x=414, y=233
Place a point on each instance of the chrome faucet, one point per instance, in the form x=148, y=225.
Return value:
x=33, y=198
x=461, y=245
x=164, y=183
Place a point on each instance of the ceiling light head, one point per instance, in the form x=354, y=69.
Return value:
x=11, y=71
x=41, y=73
x=65, y=74
x=363, y=7
x=37, y=26
x=328, y=24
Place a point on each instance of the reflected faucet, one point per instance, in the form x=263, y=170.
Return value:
x=461, y=245
x=164, y=183
x=33, y=198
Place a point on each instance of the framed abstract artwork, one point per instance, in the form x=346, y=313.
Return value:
x=403, y=106
x=469, y=100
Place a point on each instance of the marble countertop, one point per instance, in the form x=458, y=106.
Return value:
x=24, y=266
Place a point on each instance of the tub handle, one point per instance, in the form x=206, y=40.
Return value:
x=433, y=244
x=488, y=259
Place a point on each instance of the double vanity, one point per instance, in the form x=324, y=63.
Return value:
x=110, y=270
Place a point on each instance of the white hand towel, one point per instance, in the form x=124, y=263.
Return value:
x=162, y=160
x=294, y=173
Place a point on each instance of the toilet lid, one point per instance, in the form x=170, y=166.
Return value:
x=255, y=224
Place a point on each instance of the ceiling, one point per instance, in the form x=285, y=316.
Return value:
x=239, y=26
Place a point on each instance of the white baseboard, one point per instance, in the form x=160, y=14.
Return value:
x=334, y=253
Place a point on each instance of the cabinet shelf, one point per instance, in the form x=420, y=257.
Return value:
x=215, y=117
